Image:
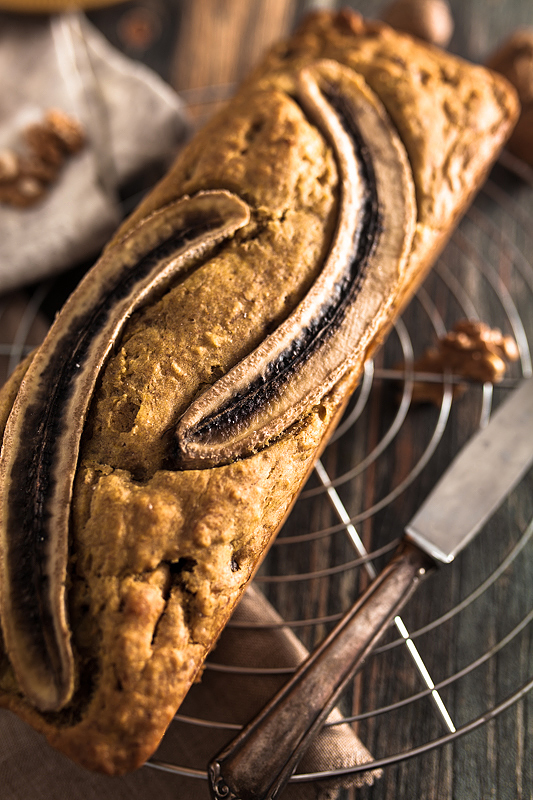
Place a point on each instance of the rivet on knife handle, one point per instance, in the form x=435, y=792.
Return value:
x=260, y=761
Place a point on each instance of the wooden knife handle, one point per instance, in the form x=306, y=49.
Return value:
x=257, y=764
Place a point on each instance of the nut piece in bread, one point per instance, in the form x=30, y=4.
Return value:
x=203, y=363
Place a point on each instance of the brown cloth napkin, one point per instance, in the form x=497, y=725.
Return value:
x=133, y=121
x=238, y=697
x=31, y=770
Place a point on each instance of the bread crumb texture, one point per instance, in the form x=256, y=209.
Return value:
x=159, y=557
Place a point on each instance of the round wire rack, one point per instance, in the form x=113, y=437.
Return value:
x=379, y=464
x=368, y=482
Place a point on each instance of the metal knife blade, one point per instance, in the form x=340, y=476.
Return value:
x=478, y=480
x=260, y=760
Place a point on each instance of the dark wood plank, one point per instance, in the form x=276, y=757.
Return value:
x=218, y=42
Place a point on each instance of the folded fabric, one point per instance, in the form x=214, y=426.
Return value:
x=29, y=768
x=133, y=123
x=232, y=692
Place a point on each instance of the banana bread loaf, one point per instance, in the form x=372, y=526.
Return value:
x=156, y=441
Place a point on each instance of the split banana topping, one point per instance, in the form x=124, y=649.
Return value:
x=239, y=414
x=42, y=437
x=302, y=360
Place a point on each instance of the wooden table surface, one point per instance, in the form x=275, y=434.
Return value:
x=468, y=609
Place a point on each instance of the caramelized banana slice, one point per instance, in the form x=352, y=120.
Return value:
x=329, y=330
x=41, y=441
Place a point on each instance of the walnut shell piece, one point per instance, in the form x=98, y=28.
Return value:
x=471, y=350
x=514, y=60
x=429, y=20
x=25, y=176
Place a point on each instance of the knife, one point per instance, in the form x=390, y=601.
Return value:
x=257, y=764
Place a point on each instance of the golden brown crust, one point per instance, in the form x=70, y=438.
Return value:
x=161, y=557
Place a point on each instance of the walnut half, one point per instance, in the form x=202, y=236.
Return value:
x=26, y=176
x=471, y=350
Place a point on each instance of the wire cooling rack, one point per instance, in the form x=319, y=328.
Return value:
x=347, y=520
x=368, y=482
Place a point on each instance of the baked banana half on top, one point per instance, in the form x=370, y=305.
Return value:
x=155, y=442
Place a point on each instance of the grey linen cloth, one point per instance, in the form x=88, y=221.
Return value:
x=134, y=123
x=30, y=769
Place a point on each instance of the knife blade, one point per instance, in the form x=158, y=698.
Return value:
x=257, y=764
x=480, y=477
